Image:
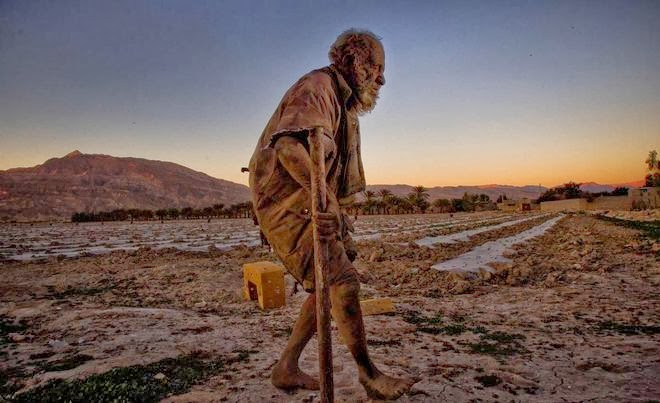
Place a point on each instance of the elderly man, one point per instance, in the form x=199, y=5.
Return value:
x=330, y=98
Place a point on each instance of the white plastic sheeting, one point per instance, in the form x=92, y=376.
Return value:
x=492, y=251
x=465, y=235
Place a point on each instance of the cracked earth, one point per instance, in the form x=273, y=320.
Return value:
x=574, y=315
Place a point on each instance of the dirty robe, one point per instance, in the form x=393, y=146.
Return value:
x=281, y=204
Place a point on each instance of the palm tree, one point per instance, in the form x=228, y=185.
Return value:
x=369, y=202
x=208, y=212
x=652, y=162
x=406, y=205
x=161, y=213
x=187, y=212
x=217, y=209
x=173, y=213
x=420, y=192
x=418, y=196
x=653, y=165
x=386, y=199
x=444, y=205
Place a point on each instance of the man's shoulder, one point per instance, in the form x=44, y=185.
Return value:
x=317, y=79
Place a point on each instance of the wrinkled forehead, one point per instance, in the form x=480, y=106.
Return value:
x=378, y=54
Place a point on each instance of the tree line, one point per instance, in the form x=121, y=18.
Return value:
x=238, y=210
x=571, y=190
x=383, y=201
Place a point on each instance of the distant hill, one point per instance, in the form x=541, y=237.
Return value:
x=596, y=187
x=456, y=192
x=95, y=182
x=494, y=191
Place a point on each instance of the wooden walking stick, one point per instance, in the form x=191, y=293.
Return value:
x=317, y=155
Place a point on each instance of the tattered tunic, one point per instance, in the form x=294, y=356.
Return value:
x=281, y=204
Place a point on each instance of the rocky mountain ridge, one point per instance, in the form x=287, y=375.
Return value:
x=96, y=182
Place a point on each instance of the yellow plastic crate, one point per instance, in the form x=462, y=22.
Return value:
x=264, y=281
x=376, y=306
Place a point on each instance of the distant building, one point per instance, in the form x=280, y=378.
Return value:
x=523, y=204
x=637, y=199
x=644, y=198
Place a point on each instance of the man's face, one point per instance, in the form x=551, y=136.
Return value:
x=369, y=79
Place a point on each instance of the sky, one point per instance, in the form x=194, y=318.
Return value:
x=477, y=92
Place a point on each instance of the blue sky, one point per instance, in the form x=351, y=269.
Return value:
x=522, y=92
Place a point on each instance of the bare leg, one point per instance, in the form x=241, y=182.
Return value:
x=348, y=315
x=287, y=374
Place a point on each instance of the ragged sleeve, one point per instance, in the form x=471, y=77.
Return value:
x=310, y=103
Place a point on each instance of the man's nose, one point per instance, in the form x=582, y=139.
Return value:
x=380, y=80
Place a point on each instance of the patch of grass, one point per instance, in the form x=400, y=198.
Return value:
x=488, y=380
x=628, y=329
x=41, y=356
x=650, y=229
x=8, y=326
x=75, y=291
x=498, y=344
x=243, y=355
x=388, y=343
x=453, y=330
x=10, y=382
x=415, y=318
x=449, y=330
x=66, y=363
x=433, y=325
x=137, y=383
x=502, y=337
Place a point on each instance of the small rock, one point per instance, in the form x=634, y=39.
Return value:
x=552, y=279
x=462, y=287
x=16, y=337
x=58, y=345
x=376, y=255
x=159, y=376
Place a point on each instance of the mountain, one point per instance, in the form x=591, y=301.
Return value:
x=456, y=192
x=95, y=182
x=596, y=187
x=593, y=187
x=494, y=191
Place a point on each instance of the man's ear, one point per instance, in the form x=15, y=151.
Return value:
x=349, y=60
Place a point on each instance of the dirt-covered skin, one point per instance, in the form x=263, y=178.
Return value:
x=575, y=316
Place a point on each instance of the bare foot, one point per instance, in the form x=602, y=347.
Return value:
x=292, y=378
x=386, y=387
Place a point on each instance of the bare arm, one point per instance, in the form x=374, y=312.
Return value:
x=295, y=159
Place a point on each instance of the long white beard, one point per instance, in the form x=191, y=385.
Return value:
x=366, y=99
x=365, y=90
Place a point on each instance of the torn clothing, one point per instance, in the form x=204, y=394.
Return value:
x=281, y=200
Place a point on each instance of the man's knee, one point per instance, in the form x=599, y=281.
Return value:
x=348, y=283
x=346, y=296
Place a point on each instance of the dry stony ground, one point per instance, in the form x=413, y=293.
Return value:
x=575, y=316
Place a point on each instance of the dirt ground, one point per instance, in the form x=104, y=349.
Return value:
x=574, y=316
